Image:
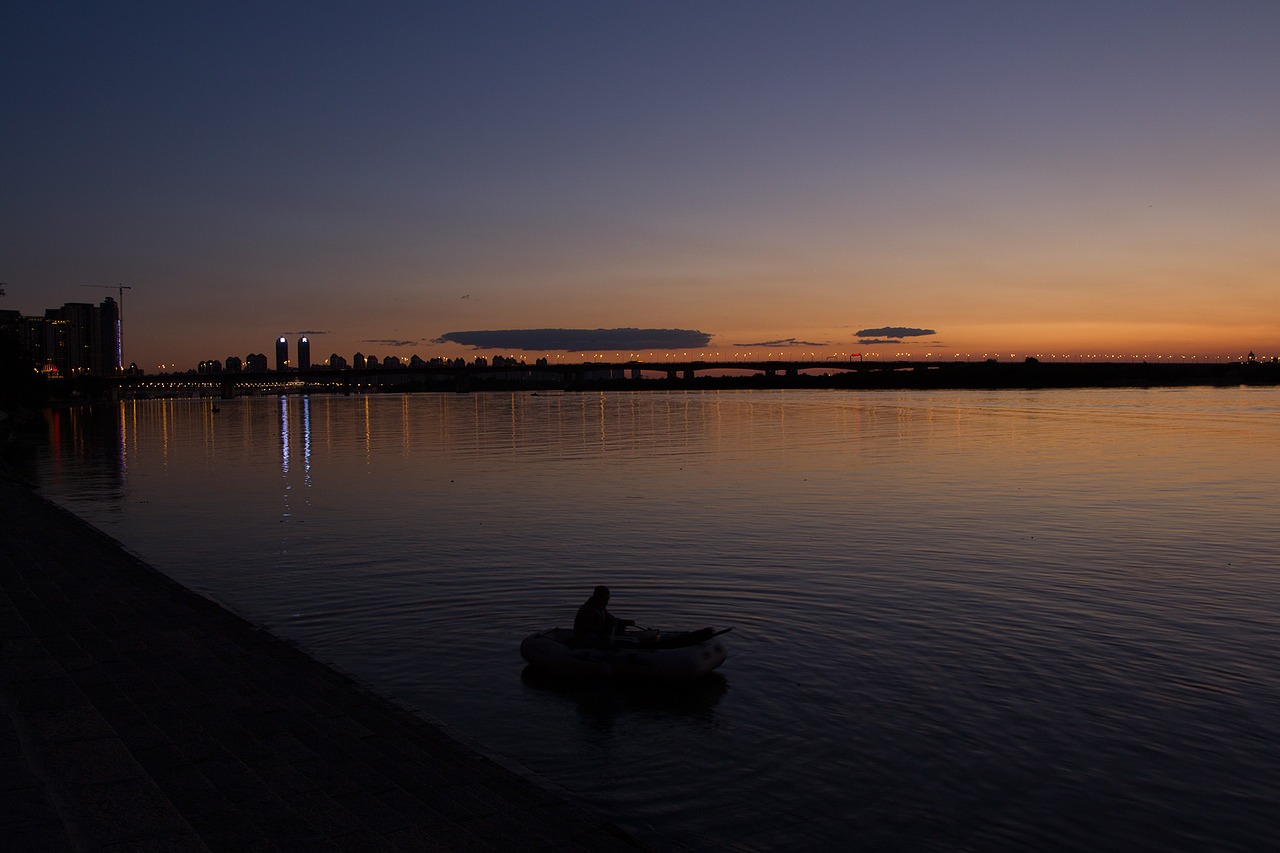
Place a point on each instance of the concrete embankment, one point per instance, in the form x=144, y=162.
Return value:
x=136, y=714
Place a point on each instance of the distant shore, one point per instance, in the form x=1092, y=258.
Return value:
x=986, y=375
x=696, y=375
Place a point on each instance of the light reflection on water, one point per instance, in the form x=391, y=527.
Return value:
x=971, y=620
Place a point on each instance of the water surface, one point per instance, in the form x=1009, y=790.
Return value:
x=962, y=620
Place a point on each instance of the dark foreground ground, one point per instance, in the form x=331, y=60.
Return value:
x=137, y=715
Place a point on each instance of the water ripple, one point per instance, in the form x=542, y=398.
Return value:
x=980, y=620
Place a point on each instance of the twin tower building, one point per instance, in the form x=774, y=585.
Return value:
x=282, y=353
x=257, y=363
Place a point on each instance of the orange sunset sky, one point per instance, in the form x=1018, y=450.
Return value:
x=989, y=178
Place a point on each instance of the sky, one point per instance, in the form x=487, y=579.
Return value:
x=938, y=178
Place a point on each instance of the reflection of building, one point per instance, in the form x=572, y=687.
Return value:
x=78, y=339
x=304, y=353
x=282, y=354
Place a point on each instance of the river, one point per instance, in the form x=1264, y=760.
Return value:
x=962, y=620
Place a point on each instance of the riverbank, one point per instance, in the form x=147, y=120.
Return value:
x=136, y=714
x=933, y=375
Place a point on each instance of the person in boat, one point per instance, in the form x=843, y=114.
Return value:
x=594, y=625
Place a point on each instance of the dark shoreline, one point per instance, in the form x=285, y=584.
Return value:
x=991, y=375
x=633, y=376
x=135, y=713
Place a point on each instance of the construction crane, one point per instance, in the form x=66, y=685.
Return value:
x=120, y=289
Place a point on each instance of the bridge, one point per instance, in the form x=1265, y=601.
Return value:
x=455, y=376
x=828, y=373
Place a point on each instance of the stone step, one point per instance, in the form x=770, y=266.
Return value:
x=140, y=714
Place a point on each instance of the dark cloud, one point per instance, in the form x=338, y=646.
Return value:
x=868, y=341
x=392, y=343
x=894, y=332
x=308, y=334
x=577, y=340
x=785, y=342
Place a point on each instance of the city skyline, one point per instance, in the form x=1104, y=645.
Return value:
x=988, y=180
x=684, y=345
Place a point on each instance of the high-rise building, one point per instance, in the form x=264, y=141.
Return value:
x=282, y=353
x=78, y=339
x=304, y=353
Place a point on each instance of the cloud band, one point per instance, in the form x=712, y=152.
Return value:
x=578, y=340
x=894, y=332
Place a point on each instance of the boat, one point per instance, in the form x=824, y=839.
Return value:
x=645, y=655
